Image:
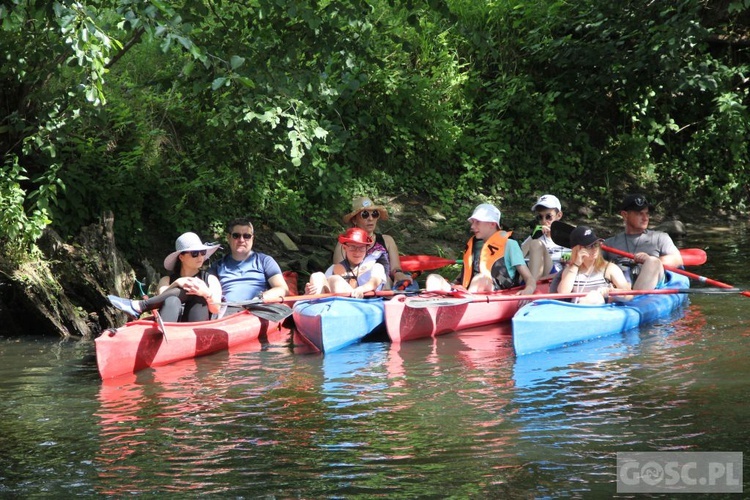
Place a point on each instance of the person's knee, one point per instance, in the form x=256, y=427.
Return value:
x=481, y=283
x=172, y=301
x=337, y=284
x=650, y=273
x=435, y=283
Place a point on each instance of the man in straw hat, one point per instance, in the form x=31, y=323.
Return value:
x=491, y=261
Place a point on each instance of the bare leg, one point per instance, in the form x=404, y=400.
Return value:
x=651, y=271
x=481, y=283
x=436, y=283
x=337, y=284
x=318, y=284
x=540, y=262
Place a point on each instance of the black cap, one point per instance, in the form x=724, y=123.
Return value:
x=636, y=202
x=583, y=235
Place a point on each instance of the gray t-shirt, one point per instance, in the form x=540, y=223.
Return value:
x=654, y=243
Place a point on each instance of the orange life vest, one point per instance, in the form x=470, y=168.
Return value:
x=491, y=261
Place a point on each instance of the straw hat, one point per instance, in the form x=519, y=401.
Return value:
x=364, y=203
x=188, y=242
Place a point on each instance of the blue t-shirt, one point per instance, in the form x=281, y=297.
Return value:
x=245, y=280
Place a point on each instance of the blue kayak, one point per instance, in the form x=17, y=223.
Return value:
x=548, y=324
x=335, y=322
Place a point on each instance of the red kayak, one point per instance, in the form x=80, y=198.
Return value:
x=141, y=344
x=410, y=318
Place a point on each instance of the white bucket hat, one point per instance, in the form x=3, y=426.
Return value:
x=486, y=213
x=188, y=242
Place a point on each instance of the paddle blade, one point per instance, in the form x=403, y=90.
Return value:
x=271, y=312
x=414, y=263
x=693, y=256
x=560, y=233
x=160, y=324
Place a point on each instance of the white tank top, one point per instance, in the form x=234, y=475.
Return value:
x=587, y=282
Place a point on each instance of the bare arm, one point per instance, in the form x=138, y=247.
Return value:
x=278, y=289
x=671, y=260
x=527, y=278
x=338, y=253
x=614, y=274
x=568, y=276
x=395, y=259
x=214, y=296
x=164, y=285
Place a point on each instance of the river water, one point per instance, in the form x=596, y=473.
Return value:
x=458, y=416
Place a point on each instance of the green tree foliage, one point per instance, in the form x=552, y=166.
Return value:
x=180, y=115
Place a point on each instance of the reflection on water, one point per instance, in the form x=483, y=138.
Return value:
x=458, y=415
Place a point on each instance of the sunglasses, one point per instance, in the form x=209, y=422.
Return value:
x=245, y=236
x=548, y=216
x=366, y=215
x=195, y=253
x=592, y=246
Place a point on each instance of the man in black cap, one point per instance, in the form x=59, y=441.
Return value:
x=651, y=250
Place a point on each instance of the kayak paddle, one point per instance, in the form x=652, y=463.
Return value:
x=427, y=302
x=295, y=298
x=561, y=235
x=155, y=312
x=417, y=263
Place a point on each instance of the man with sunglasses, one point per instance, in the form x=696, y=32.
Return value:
x=651, y=250
x=245, y=274
x=543, y=255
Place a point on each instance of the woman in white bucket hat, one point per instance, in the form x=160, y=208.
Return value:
x=188, y=293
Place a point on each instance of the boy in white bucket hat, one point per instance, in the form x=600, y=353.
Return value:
x=491, y=261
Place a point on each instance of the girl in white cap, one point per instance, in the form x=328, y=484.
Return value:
x=188, y=293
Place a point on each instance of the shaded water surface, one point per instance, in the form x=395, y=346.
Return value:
x=458, y=416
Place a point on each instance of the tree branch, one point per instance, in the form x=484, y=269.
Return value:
x=135, y=39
